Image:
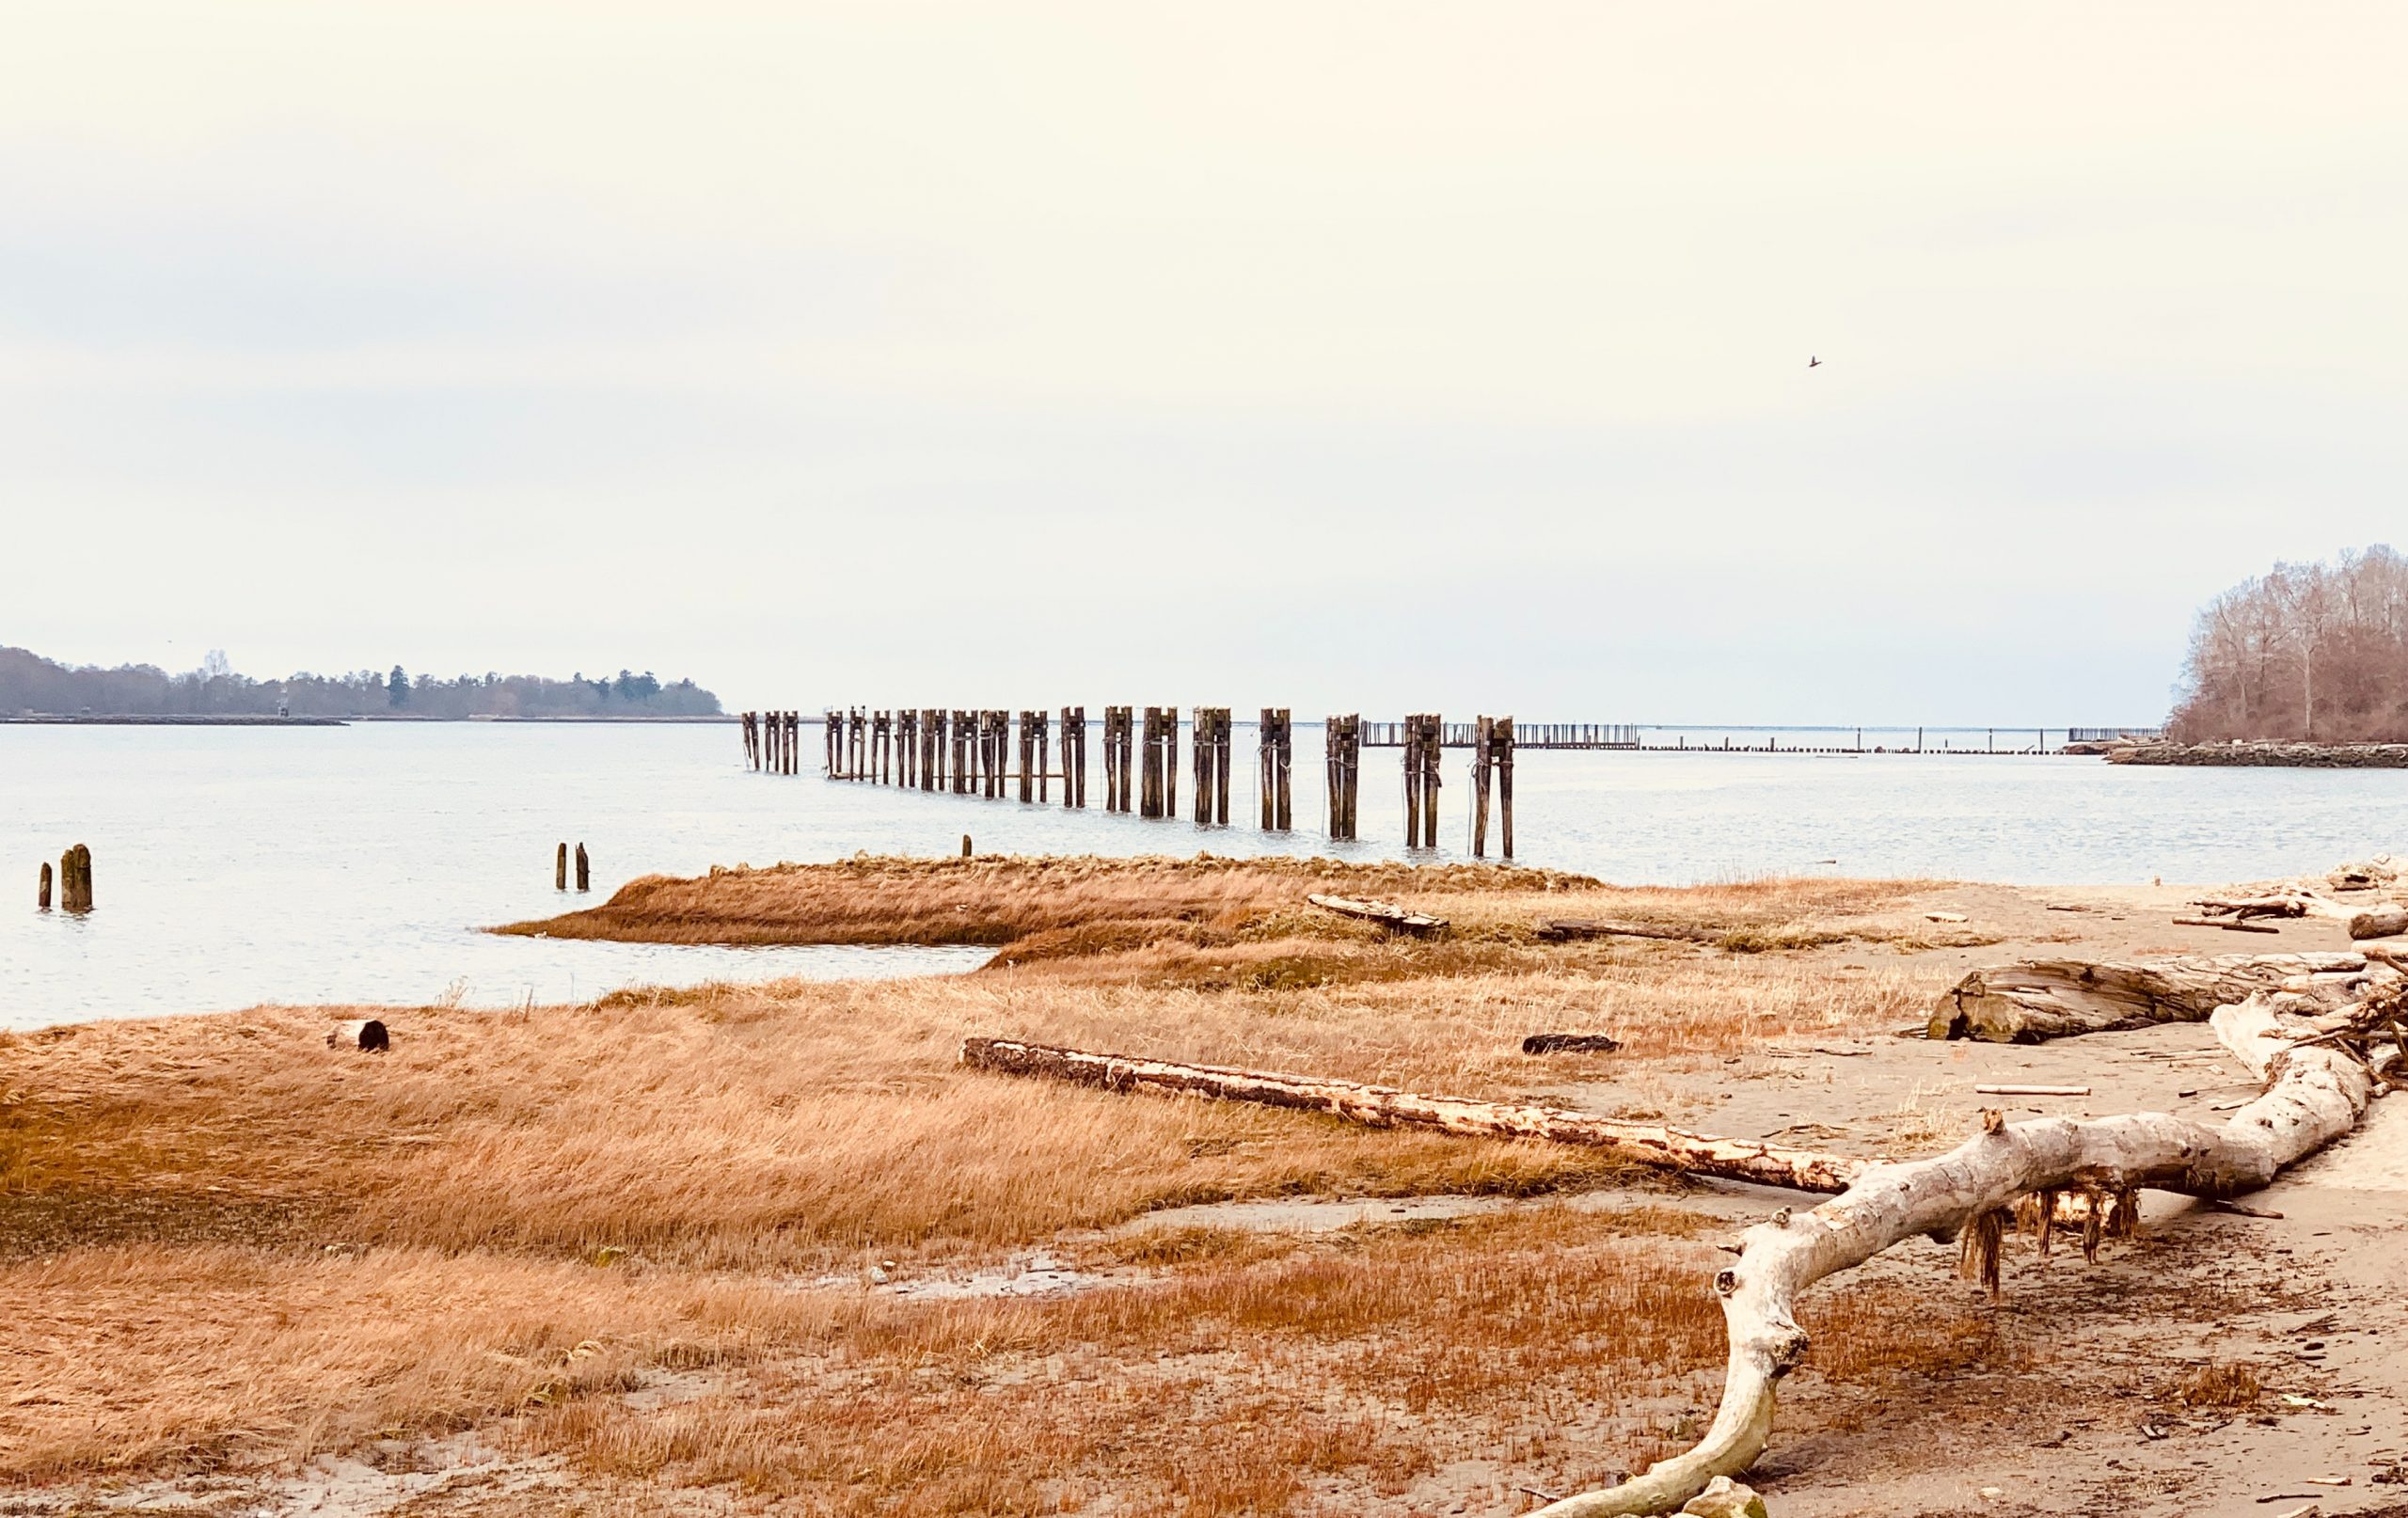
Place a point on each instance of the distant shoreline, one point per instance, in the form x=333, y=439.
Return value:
x=2267, y=755
x=258, y=720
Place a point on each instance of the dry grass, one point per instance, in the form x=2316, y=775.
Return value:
x=999, y=899
x=653, y=1176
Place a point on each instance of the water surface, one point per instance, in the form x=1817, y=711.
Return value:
x=239, y=865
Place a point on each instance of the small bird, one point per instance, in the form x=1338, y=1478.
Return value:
x=1813, y=362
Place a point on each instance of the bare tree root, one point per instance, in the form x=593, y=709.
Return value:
x=2319, y=1073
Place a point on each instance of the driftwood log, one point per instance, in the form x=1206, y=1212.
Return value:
x=2230, y=925
x=2382, y=922
x=1378, y=1106
x=2038, y=1000
x=1558, y=929
x=1394, y=918
x=2313, y=1095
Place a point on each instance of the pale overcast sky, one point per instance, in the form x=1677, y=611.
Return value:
x=1373, y=356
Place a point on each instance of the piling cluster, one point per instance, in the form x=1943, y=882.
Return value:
x=994, y=753
x=74, y=882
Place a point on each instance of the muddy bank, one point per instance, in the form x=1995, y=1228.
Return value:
x=2267, y=755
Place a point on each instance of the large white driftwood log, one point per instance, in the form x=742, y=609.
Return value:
x=2043, y=999
x=1379, y=1106
x=2314, y=1093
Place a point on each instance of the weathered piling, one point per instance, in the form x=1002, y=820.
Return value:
x=1075, y=756
x=1118, y=741
x=75, y=879
x=999, y=752
x=752, y=740
x=965, y=845
x=1276, y=742
x=1492, y=759
x=584, y=870
x=857, y=739
x=1161, y=734
x=560, y=868
x=906, y=747
x=1210, y=734
x=1424, y=734
x=790, y=746
x=965, y=732
x=41, y=891
x=1342, y=750
x=1036, y=753
x=933, y=742
x=881, y=742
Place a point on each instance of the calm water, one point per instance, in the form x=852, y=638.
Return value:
x=238, y=867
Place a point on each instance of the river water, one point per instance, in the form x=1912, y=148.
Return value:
x=234, y=866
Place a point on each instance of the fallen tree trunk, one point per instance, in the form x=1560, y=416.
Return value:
x=1569, y=1043
x=2313, y=1096
x=2382, y=922
x=1387, y=915
x=1558, y=929
x=2043, y=999
x=1646, y=1144
x=2230, y=925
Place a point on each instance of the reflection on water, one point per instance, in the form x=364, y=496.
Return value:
x=234, y=866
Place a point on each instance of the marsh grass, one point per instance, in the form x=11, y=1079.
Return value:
x=228, y=1246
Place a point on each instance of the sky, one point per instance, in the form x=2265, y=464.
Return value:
x=1375, y=356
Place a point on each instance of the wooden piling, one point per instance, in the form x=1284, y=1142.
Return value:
x=1342, y=749
x=1502, y=746
x=1075, y=756
x=965, y=845
x=1118, y=744
x=1151, y=802
x=1276, y=739
x=75, y=879
x=560, y=868
x=42, y=891
x=584, y=870
x=1423, y=734
x=1027, y=755
x=1211, y=736
x=1483, y=729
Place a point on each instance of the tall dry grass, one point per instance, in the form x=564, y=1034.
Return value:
x=652, y=1176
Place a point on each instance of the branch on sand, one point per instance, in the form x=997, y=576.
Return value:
x=2315, y=1093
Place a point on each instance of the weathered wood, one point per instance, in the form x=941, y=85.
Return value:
x=584, y=873
x=2382, y=922
x=1385, y=914
x=2037, y=1000
x=1342, y=740
x=42, y=889
x=1569, y=1043
x=2012, y=1090
x=560, y=868
x=1645, y=1144
x=2311, y=1097
x=2230, y=925
x=965, y=845
x=75, y=879
x=368, y=1035
x=1557, y=929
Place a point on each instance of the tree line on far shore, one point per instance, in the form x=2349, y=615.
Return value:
x=2313, y=651
x=31, y=684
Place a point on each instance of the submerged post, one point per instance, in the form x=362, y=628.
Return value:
x=560, y=868
x=584, y=875
x=1341, y=747
x=1277, y=740
x=75, y=879
x=1075, y=756
x=42, y=891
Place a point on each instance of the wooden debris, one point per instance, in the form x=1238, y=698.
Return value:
x=2382, y=922
x=1386, y=914
x=1646, y=1144
x=2032, y=1090
x=2036, y=1000
x=1557, y=929
x=1947, y=917
x=2312, y=1096
x=1569, y=1043
x=75, y=879
x=2230, y=925
x=42, y=889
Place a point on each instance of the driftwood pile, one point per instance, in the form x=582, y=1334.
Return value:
x=2322, y=1034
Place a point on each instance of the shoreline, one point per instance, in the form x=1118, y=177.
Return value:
x=2266, y=756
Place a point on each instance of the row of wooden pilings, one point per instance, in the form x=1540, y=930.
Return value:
x=74, y=882
x=985, y=752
